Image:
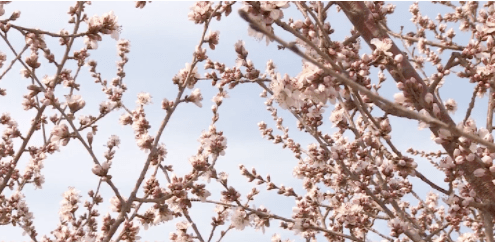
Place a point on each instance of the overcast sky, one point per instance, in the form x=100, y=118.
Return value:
x=162, y=41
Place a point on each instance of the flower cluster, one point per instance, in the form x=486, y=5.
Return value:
x=310, y=86
x=264, y=14
x=187, y=76
x=106, y=24
x=69, y=205
x=213, y=141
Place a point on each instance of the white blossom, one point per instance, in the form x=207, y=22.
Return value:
x=69, y=204
x=382, y=46
x=239, y=219
x=144, y=98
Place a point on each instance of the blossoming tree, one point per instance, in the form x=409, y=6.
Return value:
x=354, y=177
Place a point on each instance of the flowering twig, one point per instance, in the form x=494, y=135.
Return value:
x=132, y=197
x=21, y=150
x=281, y=218
x=443, y=46
x=381, y=102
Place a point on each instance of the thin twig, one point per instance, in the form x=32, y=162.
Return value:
x=380, y=234
x=351, y=39
x=427, y=42
x=193, y=225
x=451, y=63
x=471, y=105
x=13, y=61
x=38, y=31
x=437, y=231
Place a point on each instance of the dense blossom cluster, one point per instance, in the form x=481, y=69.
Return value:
x=352, y=174
x=106, y=24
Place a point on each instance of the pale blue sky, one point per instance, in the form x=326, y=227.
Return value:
x=162, y=41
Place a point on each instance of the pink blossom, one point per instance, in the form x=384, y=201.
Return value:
x=60, y=133
x=239, y=219
x=382, y=46
x=75, y=103
x=196, y=97
x=144, y=98
x=451, y=106
x=69, y=204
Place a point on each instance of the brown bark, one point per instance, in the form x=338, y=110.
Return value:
x=361, y=17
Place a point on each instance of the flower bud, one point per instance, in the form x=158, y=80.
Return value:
x=459, y=159
x=472, y=193
x=438, y=140
x=470, y=157
x=398, y=58
x=98, y=170
x=479, y=172
x=15, y=15
x=429, y=98
x=385, y=126
x=490, y=41
x=456, y=152
x=365, y=58
x=436, y=110
x=166, y=104
x=89, y=136
x=487, y=160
